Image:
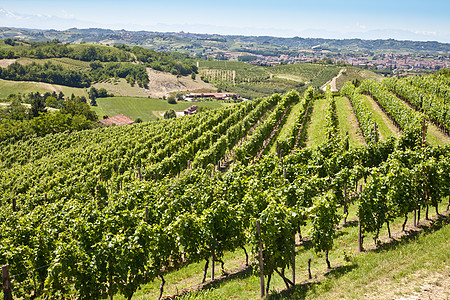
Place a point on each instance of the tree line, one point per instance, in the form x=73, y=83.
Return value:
x=18, y=121
x=57, y=74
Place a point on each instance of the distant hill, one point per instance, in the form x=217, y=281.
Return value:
x=190, y=42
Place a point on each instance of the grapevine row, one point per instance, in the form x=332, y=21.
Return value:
x=410, y=122
x=288, y=142
x=250, y=148
x=195, y=217
x=436, y=108
x=363, y=115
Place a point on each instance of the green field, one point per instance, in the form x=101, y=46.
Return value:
x=8, y=87
x=351, y=73
x=144, y=108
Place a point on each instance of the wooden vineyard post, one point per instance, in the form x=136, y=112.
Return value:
x=375, y=133
x=14, y=204
x=146, y=214
x=309, y=268
x=360, y=237
x=293, y=263
x=424, y=132
x=261, y=264
x=278, y=149
x=7, y=288
x=213, y=258
x=345, y=203
x=140, y=173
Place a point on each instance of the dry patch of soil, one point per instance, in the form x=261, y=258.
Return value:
x=162, y=84
x=4, y=63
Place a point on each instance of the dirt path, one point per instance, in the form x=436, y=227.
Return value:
x=332, y=82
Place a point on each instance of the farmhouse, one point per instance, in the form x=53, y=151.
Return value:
x=118, y=120
x=190, y=110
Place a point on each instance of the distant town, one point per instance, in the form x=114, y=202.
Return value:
x=391, y=63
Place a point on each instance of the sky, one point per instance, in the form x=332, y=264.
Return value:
x=413, y=19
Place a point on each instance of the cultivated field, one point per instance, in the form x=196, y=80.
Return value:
x=147, y=109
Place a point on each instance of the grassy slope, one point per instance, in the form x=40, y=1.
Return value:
x=120, y=87
x=316, y=132
x=435, y=137
x=385, y=126
x=8, y=87
x=352, y=73
x=143, y=108
x=287, y=125
x=348, y=122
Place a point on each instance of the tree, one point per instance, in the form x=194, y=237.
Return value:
x=78, y=107
x=37, y=106
x=93, y=93
x=51, y=102
x=171, y=100
x=16, y=111
x=170, y=114
x=179, y=96
x=102, y=93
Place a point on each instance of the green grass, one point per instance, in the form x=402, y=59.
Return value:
x=290, y=119
x=352, y=73
x=65, y=62
x=385, y=126
x=348, y=122
x=120, y=87
x=316, y=130
x=8, y=87
x=435, y=137
x=144, y=108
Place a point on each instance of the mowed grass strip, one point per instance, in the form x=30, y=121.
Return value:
x=316, y=130
x=348, y=122
x=436, y=137
x=144, y=108
x=385, y=125
x=287, y=125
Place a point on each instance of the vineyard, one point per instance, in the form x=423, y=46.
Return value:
x=105, y=212
x=260, y=81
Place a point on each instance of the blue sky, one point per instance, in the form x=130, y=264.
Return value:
x=283, y=17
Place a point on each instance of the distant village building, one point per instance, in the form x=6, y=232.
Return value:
x=118, y=120
x=190, y=110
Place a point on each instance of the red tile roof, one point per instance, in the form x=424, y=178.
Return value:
x=119, y=120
